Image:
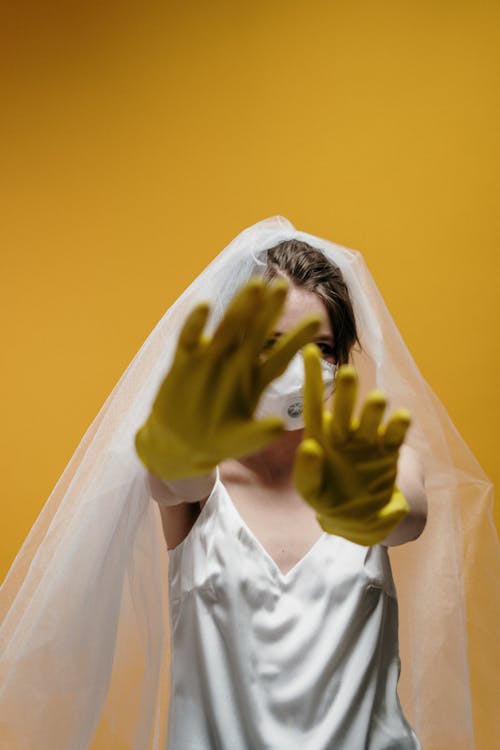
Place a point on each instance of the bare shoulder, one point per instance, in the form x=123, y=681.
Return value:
x=411, y=482
x=410, y=464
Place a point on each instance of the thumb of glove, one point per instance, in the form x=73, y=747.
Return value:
x=309, y=468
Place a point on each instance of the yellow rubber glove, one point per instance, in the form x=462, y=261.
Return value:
x=346, y=468
x=203, y=412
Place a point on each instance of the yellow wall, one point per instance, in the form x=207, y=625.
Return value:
x=137, y=140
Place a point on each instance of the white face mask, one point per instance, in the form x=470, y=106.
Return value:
x=284, y=397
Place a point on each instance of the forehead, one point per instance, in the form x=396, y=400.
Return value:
x=299, y=303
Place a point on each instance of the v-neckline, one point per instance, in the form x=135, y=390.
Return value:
x=272, y=564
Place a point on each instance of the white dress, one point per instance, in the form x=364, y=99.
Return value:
x=306, y=660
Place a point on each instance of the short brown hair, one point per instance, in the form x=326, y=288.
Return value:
x=307, y=267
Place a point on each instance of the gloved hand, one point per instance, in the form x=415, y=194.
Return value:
x=203, y=411
x=346, y=468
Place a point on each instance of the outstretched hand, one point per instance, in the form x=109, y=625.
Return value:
x=203, y=412
x=346, y=467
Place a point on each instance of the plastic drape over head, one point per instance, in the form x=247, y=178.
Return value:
x=84, y=640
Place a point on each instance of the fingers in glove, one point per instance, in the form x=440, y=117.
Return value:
x=386, y=519
x=344, y=399
x=396, y=509
x=369, y=530
x=371, y=417
x=308, y=471
x=313, y=392
x=274, y=296
x=238, y=317
x=252, y=436
x=287, y=346
x=396, y=428
x=232, y=386
x=194, y=325
x=363, y=506
x=383, y=482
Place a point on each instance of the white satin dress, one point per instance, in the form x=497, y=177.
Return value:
x=262, y=660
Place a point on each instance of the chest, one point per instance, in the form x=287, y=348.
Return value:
x=285, y=639
x=223, y=564
x=281, y=522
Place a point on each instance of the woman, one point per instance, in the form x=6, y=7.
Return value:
x=84, y=636
x=282, y=636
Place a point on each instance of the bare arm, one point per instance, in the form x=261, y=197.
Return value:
x=411, y=482
x=179, y=504
x=177, y=522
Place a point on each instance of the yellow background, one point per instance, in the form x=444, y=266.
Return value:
x=137, y=139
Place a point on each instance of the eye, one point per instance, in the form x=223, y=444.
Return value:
x=326, y=350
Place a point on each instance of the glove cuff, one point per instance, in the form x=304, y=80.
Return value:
x=177, y=491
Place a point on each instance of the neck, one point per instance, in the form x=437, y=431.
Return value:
x=274, y=464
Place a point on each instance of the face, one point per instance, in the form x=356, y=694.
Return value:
x=299, y=303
